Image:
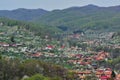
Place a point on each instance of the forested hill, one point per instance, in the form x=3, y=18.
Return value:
x=87, y=17
x=23, y=14
x=70, y=19
x=38, y=29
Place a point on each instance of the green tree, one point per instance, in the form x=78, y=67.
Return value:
x=37, y=77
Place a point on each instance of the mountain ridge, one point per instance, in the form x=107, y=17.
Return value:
x=22, y=13
x=15, y=13
x=85, y=17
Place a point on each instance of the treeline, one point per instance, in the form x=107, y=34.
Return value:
x=15, y=69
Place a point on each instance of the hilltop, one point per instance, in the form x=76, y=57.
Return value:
x=23, y=14
x=87, y=17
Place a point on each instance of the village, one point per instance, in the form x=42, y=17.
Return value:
x=82, y=54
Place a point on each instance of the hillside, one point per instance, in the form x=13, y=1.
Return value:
x=71, y=19
x=70, y=44
x=23, y=14
x=87, y=17
x=38, y=29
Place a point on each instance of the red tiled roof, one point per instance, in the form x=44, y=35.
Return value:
x=118, y=77
x=104, y=77
x=36, y=55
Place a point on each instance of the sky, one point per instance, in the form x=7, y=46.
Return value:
x=53, y=4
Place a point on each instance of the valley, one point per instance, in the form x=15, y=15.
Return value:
x=55, y=45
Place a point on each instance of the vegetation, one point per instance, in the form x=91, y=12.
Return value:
x=15, y=69
x=23, y=14
x=38, y=29
x=58, y=45
x=87, y=17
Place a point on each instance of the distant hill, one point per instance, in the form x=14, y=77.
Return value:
x=23, y=14
x=71, y=19
x=86, y=17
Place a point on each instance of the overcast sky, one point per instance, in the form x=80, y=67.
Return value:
x=52, y=4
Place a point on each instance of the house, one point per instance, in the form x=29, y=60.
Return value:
x=4, y=44
x=102, y=56
x=103, y=77
x=104, y=74
x=108, y=73
x=1, y=24
x=99, y=73
x=49, y=47
x=82, y=74
x=1, y=33
x=78, y=55
x=36, y=54
x=117, y=77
